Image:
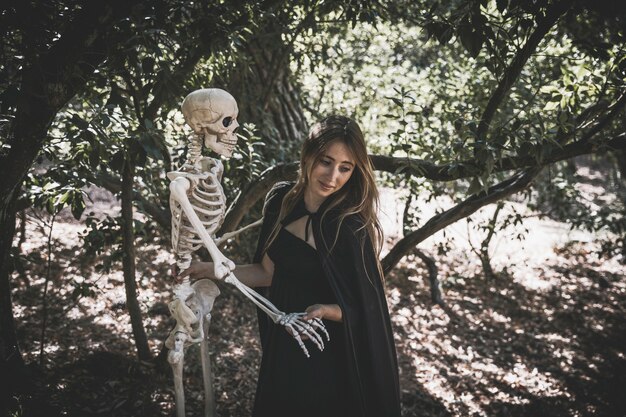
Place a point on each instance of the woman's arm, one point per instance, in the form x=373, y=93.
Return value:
x=252, y=275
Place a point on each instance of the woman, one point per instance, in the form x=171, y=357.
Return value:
x=318, y=252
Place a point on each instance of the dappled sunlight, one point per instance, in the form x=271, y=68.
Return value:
x=504, y=344
x=544, y=335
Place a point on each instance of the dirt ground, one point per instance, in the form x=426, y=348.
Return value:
x=546, y=337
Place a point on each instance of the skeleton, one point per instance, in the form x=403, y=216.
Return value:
x=198, y=206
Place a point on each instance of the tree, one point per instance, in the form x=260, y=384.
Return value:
x=472, y=99
x=80, y=69
x=53, y=71
x=499, y=87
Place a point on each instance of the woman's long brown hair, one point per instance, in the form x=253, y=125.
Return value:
x=359, y=196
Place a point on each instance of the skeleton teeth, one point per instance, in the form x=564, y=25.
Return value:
x=229, y=142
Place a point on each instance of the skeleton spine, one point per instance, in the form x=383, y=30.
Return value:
x=194, y=152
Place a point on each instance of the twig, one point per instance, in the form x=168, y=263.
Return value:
x=44, y=299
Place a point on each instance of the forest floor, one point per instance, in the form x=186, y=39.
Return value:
x=545, y=337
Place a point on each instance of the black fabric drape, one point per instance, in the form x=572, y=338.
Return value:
x=352, y=272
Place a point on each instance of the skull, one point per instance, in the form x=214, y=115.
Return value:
x=212, y=112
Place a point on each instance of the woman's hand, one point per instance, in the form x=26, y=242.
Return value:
x=197, y=270
x=323, y=311
x=316, y=311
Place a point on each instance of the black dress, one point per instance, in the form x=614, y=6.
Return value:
x=290, y=384
x=362, y=346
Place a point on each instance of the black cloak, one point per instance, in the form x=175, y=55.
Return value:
x=354, y=278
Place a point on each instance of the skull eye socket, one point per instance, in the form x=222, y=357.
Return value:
x=227, y=121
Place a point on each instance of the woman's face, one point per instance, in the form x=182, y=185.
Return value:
x=332, y=171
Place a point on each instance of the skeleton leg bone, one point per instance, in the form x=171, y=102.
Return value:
x=207, y=375
x=176, y=358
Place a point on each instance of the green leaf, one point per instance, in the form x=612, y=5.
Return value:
x=106, y=120
x=50, y=206
x=79, y=122
x=396, y=100
x=115, y=98
x=63, y=198
x=525, y=149
x=547, y=89
x=471, y=38
x=475, y=186
x=94, y=158
x=147, y=65
x=78, y=205
x=117, y=161
x=440, y=30
x=502, y=5
x=551, y=105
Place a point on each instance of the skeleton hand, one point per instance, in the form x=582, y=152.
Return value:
x=295, y=323
x=299, y=328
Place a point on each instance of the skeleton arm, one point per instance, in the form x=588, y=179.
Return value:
x=223, y=268
x=178, y=190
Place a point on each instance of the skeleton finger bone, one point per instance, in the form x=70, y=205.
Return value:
x=294, y=333
x=319, y=324
x=308, y=331
x=294, y=323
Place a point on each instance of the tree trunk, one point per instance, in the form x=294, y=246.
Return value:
x=485, y=259
x=621, y=163
x=269, y=97
x=11, y=362
x=433, y=277
x=128, y=261
x=44, y=88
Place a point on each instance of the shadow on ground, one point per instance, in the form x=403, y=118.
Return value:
x=500, y=348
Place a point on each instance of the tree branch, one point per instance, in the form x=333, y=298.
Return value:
x=513, y=71
x=254, y=192
x=288, y=172
x=510, y=186
x=53, y=79
x=114, y=185
x=467, y=169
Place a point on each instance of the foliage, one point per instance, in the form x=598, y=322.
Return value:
x=421, y=87
x=482, y=93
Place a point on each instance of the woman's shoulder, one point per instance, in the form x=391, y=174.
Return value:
x=275, y=196
x=354, y=222
x=351, y=228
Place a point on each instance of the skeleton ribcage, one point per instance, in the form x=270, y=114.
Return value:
x=208, y=202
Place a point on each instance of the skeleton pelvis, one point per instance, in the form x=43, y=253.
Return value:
x=197, y=306
x=182, y=313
